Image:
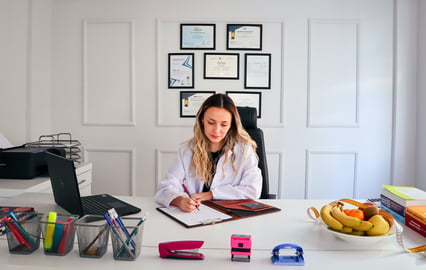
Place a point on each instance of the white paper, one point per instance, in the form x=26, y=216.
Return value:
x=205, y=215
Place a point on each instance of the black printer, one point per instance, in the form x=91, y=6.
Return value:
x=25, y=162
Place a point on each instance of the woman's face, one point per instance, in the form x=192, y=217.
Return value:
x=217, y=122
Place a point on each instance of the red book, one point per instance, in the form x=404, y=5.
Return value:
x=415, y=218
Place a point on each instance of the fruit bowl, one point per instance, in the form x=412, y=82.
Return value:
x=361, y=240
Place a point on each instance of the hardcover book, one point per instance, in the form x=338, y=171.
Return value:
x=415, y=218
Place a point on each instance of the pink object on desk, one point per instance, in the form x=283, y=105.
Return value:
x=181, y=250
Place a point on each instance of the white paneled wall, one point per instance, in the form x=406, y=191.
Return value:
x=332, y=118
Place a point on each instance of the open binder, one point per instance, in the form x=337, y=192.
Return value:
x=216, y=211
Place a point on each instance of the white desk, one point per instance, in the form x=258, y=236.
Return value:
x=291, y=225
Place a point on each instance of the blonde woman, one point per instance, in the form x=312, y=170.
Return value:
x=218, y=162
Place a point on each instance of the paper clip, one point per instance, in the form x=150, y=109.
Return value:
x=211, y=221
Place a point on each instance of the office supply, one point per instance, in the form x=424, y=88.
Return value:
x=181, y=250
x=71, y=147
x=296, y=259
x=58, y=233
x=242, y=208
x=24, y=162
x=114, y=216
x=67, y=195
x=241, y=247
x=21, y=213
x=267, y=231
x=205, y=216
x=50, y=230
x=121, y=246
x=92, y=236
x=68, y=232
x=187, y=192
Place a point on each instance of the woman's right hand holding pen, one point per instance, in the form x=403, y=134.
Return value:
x=185, y=204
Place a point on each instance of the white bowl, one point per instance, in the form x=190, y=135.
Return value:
x=361, y=240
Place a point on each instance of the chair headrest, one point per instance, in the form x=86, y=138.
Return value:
x=248, y=117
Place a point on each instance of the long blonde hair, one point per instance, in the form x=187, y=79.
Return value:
x=200, y=143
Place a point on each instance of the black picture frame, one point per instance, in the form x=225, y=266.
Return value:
x=197, y=36
x=250, y=99
x=244, y=37
x=181, y=70
x=223, y=66
x=189, y=98
x=257, y=71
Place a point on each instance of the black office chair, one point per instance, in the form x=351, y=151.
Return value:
x=248, y=117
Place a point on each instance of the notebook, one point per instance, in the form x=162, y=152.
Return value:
x=67, y=194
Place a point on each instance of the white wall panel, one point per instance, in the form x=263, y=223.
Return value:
x=333, y=73
x=108, y=72
x=113, y=170
x=336, y=181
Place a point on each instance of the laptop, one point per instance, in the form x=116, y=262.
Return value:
x=67, y=194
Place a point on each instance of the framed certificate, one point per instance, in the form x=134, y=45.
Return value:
x=190, y=102
x=244, y=37
x=181, y=70
x=221, y=66
x=197, y=36
x=257, y=72
x=247, y=99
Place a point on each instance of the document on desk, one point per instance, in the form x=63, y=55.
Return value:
x=204, y=216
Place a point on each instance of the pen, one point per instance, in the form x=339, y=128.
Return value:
x=114, y=230
x=189, y=194
x=114, y=216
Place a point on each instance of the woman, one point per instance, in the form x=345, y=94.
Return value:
x=219, y=162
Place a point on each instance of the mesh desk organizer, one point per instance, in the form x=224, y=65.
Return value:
x=60, y=140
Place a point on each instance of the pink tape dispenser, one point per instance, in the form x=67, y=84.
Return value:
x=181, y=250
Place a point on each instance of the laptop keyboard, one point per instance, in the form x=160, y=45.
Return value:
x=92, y=206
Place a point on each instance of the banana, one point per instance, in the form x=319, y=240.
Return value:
x=346, y=229
x=330, y=221
x=346, y=220
x=365, y=226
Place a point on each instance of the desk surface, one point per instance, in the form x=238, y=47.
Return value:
x=291, y=225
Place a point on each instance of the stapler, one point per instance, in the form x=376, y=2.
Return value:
x=181, y=250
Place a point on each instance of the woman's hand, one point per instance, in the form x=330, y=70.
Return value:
x=185, y=204
x=203, y=196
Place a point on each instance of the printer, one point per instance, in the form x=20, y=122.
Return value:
x=25, y=162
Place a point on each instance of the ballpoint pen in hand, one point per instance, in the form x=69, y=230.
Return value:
x=189, y=194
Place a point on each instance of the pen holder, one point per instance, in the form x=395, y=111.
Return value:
x=58, y=235
x=92, y=236
x=23, y=236
x=127, y=239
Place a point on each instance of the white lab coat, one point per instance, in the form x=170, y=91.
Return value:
x=244, y=183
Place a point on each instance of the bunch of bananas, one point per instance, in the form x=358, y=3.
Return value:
x=335, y=218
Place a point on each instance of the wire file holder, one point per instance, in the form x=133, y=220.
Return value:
x=60, y=140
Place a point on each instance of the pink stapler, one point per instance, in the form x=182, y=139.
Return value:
x=181, y=250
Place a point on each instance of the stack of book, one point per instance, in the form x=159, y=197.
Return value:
x=407, y=205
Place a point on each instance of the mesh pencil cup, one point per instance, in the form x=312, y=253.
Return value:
x=92, y=236
x=58, y=233
x=23, y=236
x=127, y=239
